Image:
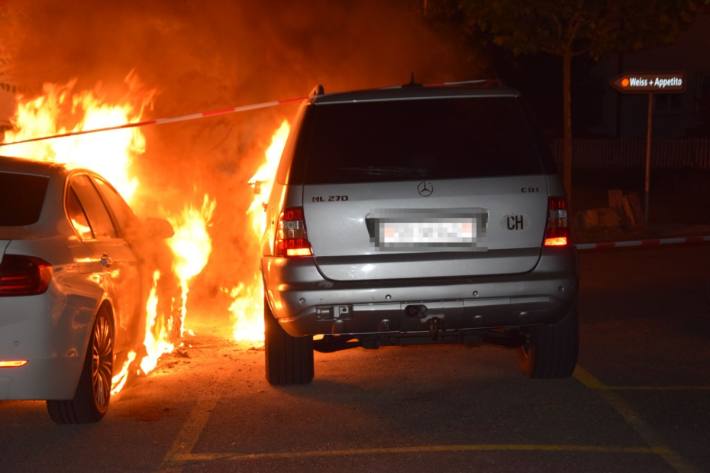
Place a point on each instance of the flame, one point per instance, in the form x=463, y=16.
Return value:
x=110, y=154
x=113, y=155
x=247, y=305
x=156, y=335
x=263, y=180
x=119, y=380
x=247, y=310
x=191, y=246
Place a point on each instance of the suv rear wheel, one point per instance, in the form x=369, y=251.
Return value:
x=289, y=360
x=550, y=351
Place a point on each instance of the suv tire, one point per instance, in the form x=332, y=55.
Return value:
x=550, y=351
x=289, y=360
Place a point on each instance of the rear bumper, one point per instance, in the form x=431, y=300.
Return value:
x=49, y=331
x=305, y=303
x=41, y=379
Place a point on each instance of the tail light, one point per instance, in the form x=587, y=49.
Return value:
x=24, y=275
x=12, y=363
x=557, y=229
x=291, y=238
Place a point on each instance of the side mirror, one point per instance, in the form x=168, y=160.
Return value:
x=158, y=228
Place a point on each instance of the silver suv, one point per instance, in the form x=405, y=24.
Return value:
x=418, y=215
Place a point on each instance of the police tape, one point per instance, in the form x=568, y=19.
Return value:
x=165, y=120
x=223, y=111
x=648, y=243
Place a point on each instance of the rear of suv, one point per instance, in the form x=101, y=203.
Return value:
x=417, y=215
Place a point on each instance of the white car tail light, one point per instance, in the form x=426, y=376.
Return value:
x=557, y=229
x=24, y=275
x=291, y=238
x=12, y=363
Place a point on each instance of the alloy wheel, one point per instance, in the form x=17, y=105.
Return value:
x=102, y=363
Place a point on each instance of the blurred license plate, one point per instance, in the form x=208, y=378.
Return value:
x=448, y=232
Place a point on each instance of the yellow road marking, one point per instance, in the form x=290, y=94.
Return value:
x=192, y=428
x=634, y=421
x=189, y=434
x=351, y=452
x=180, y=451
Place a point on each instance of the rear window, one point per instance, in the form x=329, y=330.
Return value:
x=417, y=139
x=21, y=198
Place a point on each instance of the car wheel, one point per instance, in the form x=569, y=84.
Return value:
x=550, y=351
x=93, y=393
x=289, y=360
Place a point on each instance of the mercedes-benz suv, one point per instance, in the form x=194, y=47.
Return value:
x=417, y=215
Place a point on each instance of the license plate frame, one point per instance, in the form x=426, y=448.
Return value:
x=427, y=232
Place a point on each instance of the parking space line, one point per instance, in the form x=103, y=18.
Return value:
x=189, y=434
x=351, y=452
x=634, y=420
x=192, y=428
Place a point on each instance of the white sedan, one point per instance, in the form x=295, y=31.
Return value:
x=71, y=287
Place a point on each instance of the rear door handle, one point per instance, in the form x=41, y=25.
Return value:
x=106, y=260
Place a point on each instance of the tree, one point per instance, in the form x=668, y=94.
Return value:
x=570, y=28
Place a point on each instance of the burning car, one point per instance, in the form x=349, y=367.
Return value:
x=75, y=269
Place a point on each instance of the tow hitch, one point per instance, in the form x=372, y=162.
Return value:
x=434, y=321
x=434, y=326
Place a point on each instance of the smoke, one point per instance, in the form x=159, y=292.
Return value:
x=201, y=55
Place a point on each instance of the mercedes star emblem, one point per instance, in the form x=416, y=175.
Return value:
x=425, y=188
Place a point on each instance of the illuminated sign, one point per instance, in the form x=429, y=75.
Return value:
x=649, y=83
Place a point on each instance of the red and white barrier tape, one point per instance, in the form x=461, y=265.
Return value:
x=644, y=243
x=166, y=120
x=212, y=113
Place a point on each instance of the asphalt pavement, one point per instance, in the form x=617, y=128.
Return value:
x=639, y=400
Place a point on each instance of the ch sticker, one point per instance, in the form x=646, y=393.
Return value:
x=515, y=222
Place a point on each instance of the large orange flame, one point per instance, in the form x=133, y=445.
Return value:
x=156, y=340
x=113, y=154
x=110, y=154
x=247, y=306
x=192, y=246
x=263, y=179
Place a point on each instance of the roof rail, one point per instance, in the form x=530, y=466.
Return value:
x=477, y=82
x=482, y=82
x=412, y=82
x=317, y=90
